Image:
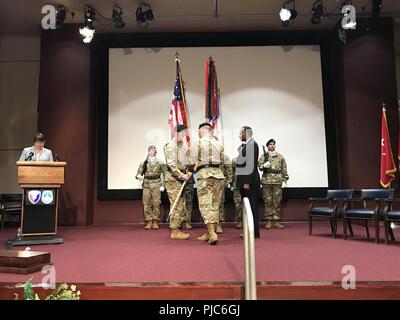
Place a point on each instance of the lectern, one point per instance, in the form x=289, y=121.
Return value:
x=41, y=182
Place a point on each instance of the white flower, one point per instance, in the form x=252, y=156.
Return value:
x=73, y=287
x=78, y=293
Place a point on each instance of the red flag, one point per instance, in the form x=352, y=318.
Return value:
x=178, y=112
x=212, y=102
x=388, y=167
x=398, y=150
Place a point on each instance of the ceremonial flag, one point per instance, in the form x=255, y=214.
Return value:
x=398, y=150
x=178, y=111
x=388, y=167
x=212, y=103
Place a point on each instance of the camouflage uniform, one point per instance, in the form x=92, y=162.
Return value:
x=176, y=160
x=227, y=172
x=237, y=197
x=189, y=195
x=208, y=156
x=151, y=188
x=271, y=182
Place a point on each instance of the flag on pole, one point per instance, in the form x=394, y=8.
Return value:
x=398, y=150
x=178, y=112
x=388, y=167
x=212, y=102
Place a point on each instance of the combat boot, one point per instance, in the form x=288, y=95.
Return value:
x=177, y=234
x=155, y=225
x=204, y=237
x=213, y=236
x=219, y=228
x=239, y=225
x=149, y=225
x=277, y=225
x=188, y=226
x=268, y=225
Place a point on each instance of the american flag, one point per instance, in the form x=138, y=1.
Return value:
x=178, y=111
x=212, y=103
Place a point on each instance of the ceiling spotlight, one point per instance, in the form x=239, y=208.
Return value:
x=117, y=17
x=349, y=17
x=88, y=31
x=60, y=17
x=317, y=12
x=376, y=8
x=288, y=15
x=144, y=14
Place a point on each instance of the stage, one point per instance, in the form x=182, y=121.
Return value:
x=130, y=257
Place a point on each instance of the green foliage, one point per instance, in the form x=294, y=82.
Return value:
x=62, y=292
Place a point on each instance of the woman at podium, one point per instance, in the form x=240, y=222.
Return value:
x=37, y=152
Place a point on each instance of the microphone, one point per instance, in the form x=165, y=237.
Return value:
x=56, y=157
x=29, y=156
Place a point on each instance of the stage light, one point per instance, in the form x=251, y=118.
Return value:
x=349, y=17
x=144, y=14
x=317, y=12
x=288, y=15
x=376, y=8
x=88, y=31
x=60, y=17
x=117, y=17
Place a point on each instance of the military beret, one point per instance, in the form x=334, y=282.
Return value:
x=180, y=127
x=204, y=124
x=151, y=147
x=271, y=141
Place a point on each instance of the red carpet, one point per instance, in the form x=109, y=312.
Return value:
x=131, y=254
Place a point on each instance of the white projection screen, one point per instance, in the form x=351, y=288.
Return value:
x=276, y=90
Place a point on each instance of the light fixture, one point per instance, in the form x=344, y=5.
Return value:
x=117, y=17
x=288, y=15
x=60, y=16
x=317, y=12
x=88, y=31
x=144, y=14
x=349, y=17
x=376, y=8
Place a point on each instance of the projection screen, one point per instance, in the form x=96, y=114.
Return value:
x=276, y=90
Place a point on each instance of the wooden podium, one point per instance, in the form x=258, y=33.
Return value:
x=40, y=182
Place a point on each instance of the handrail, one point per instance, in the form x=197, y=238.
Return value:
x=249, y=252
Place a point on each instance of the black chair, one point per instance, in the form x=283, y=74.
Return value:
x=366, y=213
x=10, y=205
x=335, y=200
x=390, y=215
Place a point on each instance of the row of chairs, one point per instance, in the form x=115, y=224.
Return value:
x=374, y=205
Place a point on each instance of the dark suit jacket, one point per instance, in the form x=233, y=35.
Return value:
x=246, y=165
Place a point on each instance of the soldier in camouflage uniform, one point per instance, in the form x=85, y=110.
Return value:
x=275, y=174
x=151, y=172
x=207, y=154
x=176, y=157
x=227, y=172
x=237, y=197
x=189, y=195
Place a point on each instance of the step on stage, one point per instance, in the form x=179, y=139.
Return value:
x=127, y=262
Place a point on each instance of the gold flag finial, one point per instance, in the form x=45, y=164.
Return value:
x=177, y=56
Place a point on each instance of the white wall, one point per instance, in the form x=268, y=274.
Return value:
x=277, y=91
x=19, y=79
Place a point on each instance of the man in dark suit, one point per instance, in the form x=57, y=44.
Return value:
x=247, y=176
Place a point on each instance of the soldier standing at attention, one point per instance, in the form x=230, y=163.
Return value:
x=208, y=156
x=151, y=172
x=237, y=197
x=275, y=174
x=175, y=174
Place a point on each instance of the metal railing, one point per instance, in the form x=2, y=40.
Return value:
x=249, y=252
